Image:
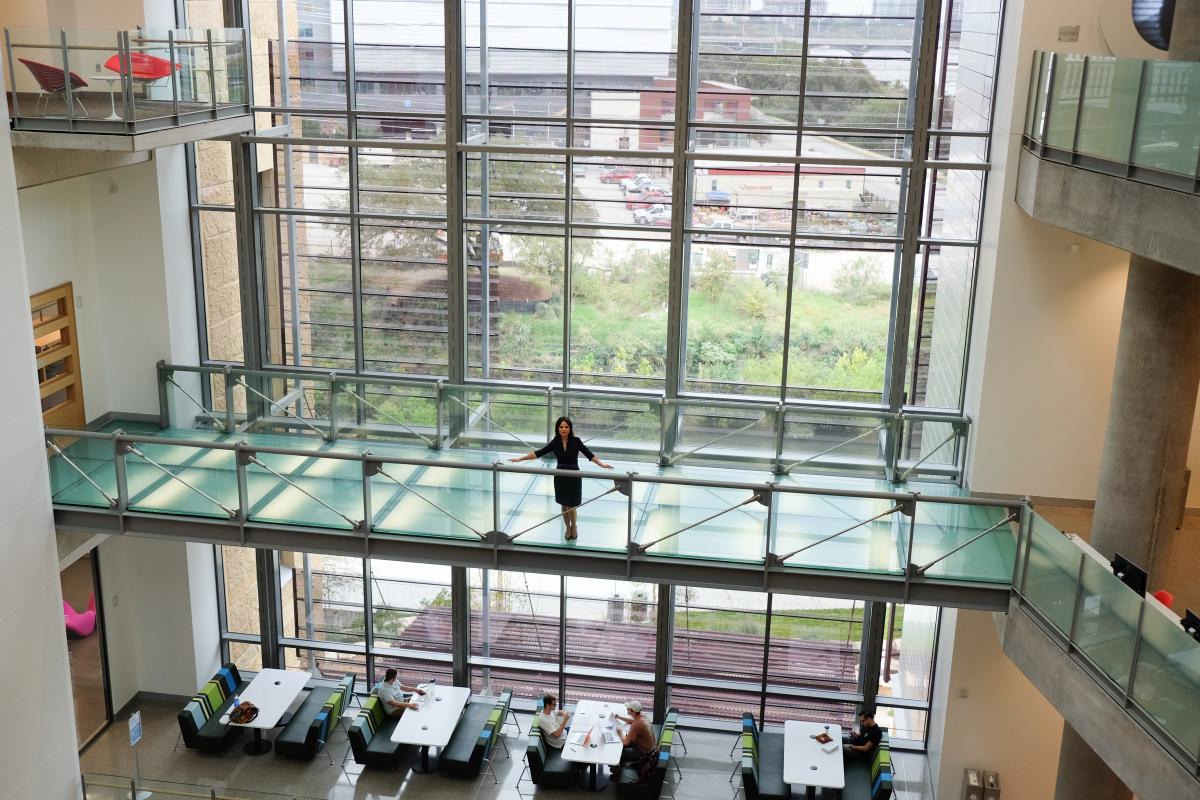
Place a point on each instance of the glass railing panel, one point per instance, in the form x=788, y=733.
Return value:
x=942, y=528
x=432, y=501
x=318, y=492
x=1063, y=109
x=812, y=441
x=718, y=430
x=804, y=520
x=368, y=408
x=1053, y=569
x=1107, y=621
x=202, y=481
x=1168, y=134
x=499, y=418
x=1167, y=681
x=737, y=535
x=84, y=473
x=1109, y=106
x=602, y=422
x=528, y=510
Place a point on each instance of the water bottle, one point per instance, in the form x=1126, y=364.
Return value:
x=431, y=688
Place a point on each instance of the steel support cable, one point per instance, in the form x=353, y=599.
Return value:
x=255, y=460
x=497, y=424
x=112, y=501
x=131, y=449
x=815, y=456
x=408, y=488
x=284, y=409
x=211, y=415
x=920, y=571
x=757, y=497
x=720, y=438
x=855, y=526
x=573, y=508
x=347, y=390
x=904, y=475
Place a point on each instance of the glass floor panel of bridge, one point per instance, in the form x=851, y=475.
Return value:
x=460, y=500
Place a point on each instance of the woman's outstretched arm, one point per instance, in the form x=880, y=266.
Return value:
x=527, y=457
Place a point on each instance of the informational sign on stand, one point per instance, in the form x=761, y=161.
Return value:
x=135, y=736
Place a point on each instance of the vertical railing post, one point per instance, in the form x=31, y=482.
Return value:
x=174, y=77
x=496, y=497
x=125, y=62
x=1024, y=538
x=212, y=72
x=230, y=417
x=769, y=533
x=240, y=462
x=891, y=457
x=912, y=535
x=629, y=527
x=550, y=432
x=663, y=413
x=12, y=76
x=68, y=89
x=1075, y=607
x=333, y=416
x=780, y=421
x=440, y=402
x=1137, y=651
x=119, y=471
x=244, y=72
x=369, y=469
x=164, y=406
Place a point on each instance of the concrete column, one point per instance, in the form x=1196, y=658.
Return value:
x=1150, y=415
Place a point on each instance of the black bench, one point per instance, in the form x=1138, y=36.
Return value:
x=200, y=725
x=314, y=722
x=762, y=763
x=628, y=785
x=370, y=738
x=869, y=776
x=474, y=737
x=546, y=765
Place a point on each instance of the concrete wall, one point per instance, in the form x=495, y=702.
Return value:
x=994, y=718
x=134, y=297
x=160, y=607
x=38, y=750
x=1047, y=315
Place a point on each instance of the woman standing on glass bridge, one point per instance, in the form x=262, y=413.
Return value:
x=566, y=447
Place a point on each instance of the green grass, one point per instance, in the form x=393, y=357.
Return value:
x=829, y=626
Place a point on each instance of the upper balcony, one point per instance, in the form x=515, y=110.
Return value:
x=1111, y=150
x=129, y=90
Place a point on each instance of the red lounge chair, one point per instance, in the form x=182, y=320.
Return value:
x=80, y=624
x=143, y=68
x=52, y=80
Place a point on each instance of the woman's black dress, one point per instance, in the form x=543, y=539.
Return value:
x=567, y=491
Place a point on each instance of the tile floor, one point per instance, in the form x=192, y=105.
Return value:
x=706, y=769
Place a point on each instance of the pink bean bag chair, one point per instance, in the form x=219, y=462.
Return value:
x=80, y=624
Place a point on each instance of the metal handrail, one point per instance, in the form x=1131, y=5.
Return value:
x=516, y=469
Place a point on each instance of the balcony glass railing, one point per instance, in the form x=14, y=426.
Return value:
x=126, y=82
x=1134, y=118
x=1133, y=646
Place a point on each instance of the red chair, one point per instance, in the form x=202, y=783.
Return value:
x=52, y=80
x=143, y=68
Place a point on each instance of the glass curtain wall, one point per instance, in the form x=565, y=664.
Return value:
x=720, y=653
x=710, y=199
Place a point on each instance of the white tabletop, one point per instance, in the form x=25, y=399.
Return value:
x=433, y=722
x=804, y=762
x=272, y=690
x=591, y=714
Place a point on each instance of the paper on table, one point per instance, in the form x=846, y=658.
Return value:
x=831, y=747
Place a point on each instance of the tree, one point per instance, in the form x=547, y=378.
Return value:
x=858, y=282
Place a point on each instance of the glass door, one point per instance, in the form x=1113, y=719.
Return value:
x=86, y=647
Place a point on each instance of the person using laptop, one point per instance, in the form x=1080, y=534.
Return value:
x=553, y=722
x=639, y=740
x=391, y=694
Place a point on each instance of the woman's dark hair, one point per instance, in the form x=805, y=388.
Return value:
x=390, y=675
x=570, y=426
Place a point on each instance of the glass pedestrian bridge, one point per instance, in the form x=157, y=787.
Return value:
x=241, y=481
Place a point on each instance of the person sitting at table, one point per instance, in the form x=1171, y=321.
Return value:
x=638, y=741
x=863, y=743
x=553, y=722
x=391, y=694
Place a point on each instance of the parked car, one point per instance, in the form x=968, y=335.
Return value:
x=748, y=215
x=646, y=197
x=617, y=174
x=639, y=181
x=653, y=215
x=716, y=199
